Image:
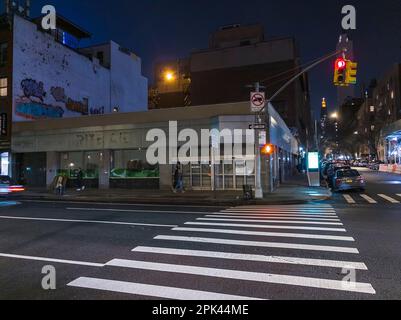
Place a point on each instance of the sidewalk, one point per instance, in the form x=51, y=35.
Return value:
x=295, y=191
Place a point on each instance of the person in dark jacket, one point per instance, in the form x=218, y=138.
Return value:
x=178, y=179
x=80, y=180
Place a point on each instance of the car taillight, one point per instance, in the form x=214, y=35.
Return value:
x=338, y=181
x=16, y=189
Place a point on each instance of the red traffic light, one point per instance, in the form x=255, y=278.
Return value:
x=267, y=149
x=341, y=64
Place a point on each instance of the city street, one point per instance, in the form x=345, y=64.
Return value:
x=116, y=251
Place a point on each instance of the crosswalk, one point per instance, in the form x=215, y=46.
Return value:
x=372, y=199
x=243, y=253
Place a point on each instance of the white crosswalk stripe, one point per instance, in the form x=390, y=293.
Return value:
x=275, y=221
x=260, y=244
x=316, y=238
x=264, y=226
x=267, y=234
x=371, y=199
x=246, y=275
x=253, y=257
x=390, y=199
x=275, y=218
x=254, y=215
x=349, y=199
x=368, y=199
x=151, y=290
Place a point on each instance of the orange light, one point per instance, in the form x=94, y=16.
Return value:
x=169, y=76
x=267, y=149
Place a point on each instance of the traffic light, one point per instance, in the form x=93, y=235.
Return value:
x=340, y=72
x=267, y=150
x=352, y=70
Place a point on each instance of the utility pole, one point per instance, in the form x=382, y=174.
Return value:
x=258, y=165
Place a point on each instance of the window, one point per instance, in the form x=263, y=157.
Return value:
x=3, y=54
x=100, y=57
x=372, y=128
x=3, y=87
x=372, y=108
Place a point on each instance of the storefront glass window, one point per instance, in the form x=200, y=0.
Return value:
x=132, y=164
x=4, y=164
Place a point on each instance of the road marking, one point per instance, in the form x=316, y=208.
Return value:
x=281, y=211
x=79, y=263
x=260, y=244
x=349, y=199
x=247, y=276
x=151, y=290
x=254, y=215
x=89, y=221
x=9, y=203
x=273, y=221
x=392, y=200
x=265, y=226
x=368, y=199
x=281, y=207
x=275, y=218
x=136, y=211
x=267, y=234
x=121, y=204
x=253, y=257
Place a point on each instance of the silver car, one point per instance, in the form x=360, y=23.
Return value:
x=348, y=179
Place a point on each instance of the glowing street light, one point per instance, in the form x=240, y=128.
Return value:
x=169, y=76
x=334, y=115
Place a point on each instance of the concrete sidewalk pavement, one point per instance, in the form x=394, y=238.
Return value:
x=292, y=192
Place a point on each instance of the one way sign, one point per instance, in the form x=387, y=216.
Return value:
x=258, y=101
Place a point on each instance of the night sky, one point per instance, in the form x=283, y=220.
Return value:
x=162, y=29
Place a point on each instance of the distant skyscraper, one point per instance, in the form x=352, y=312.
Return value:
x=345, y=44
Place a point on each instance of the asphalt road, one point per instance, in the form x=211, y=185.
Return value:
x=117, y=251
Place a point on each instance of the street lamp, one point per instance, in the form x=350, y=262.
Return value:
x=169, y=76
x=334, y=115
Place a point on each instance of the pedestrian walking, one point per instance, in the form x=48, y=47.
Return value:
x=178, y=179
x=60, y=185
x=80, y=180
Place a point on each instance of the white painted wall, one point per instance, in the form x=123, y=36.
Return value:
x=129, y=89
x=39, y=57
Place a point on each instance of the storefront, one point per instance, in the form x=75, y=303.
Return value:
x=391, y=137
x=5, y=164
x=112, y=150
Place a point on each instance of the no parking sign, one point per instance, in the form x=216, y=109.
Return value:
x=258, y=101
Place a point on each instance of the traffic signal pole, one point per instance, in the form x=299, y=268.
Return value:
x=258, y=161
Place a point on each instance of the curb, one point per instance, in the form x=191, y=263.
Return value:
x=188, y=202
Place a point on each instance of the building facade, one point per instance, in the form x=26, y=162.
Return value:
x=113, y=150
x=237, y=57
x=45, y=75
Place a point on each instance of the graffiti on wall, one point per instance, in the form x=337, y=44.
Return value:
x=58, y=94
x=78, y=106
x=31, y=105
x=97, y=111
x=32, y=88
x=35, y=111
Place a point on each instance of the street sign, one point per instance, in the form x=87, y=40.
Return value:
x=258, y=101
x=257, y=126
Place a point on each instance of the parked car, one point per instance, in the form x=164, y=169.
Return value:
x=348, y=179
x=7, y=186
x=375, y=165
x=333, y=170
